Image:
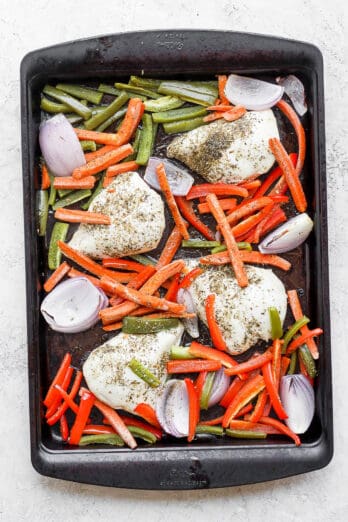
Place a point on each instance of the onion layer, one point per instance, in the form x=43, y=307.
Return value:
x=297, y=396
x=73, y=306
x=288, y=236
x=172, y=408
x=179, y=179
x=253, y=94
x=60, y=146
x=294, y=88
x=220, y=387
x=191, y=325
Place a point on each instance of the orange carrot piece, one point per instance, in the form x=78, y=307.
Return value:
x=81, y=216
x=219, y=189
x=226, y=204
x=190, y=277
x=234, y=114
x=276, y=363
x=247, y=224
x=290, y=174
x=122, y=264
x=222, y=80
x=296, y=310
x=250, y=185
x=219, y=107
x=113, y=326
x=89, y=156
x=57, y=276
x=272, y=177
x=247, y=392
x=142, y=277
x=213, y=116
x=131, y=121
x=45, y=179
x=248, y=208
x=171, y=247
x=127, y=166
x=214, y=329
x=173, y=207
x=188, y=213
x=164, y=315
x=70, y=183
x=232, y=247
x=300, y=133
x=222, y=258
x=103, y=138
x=102, y=162
x=76, y=273
x=284, y=365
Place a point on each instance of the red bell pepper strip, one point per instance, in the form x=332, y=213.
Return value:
x=272, y=391
x=52, y=393
x=63, y=407
x=97, y=429
x=304, y=372
x=65, y=385
x=256, y=415
x=251, y=364
x=172, y=291
x=232, y=391
x=251, y=388
x=187, y=212
x=244, y=410
x=253, y=426
x=284, y=365
x=289, y=112
x=117, y=423
x=190, y=277
x=302, y=339
x=282, y=428
x=205, y=352
x=64, y=428
x=212, y=422
x=86, y=404
x=219, y=189
x=297, y=312
x=71, y=404
x=131, y=421
x=192, y=366
x=214, y=329
x=200, y=383
x=276, y=363
x=148, y=413
x=193, y=409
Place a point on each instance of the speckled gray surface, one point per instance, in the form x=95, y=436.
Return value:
x=24, y=495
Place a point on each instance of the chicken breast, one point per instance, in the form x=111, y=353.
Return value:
x=108, y=376
x=228, y=152
x=137, y=220
x=241, y=313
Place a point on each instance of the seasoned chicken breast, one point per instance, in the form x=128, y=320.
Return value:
x=137, y=220
x=107, y=373
x=241, y=313
x=228, y=152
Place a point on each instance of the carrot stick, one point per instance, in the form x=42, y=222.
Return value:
x=57, y=276
x=226, y=204
x=171, y=247
x=276, y=218
x=214, y=329
x=71, y=183
x=45, y=179
x=142, y=277
x=300, y=133
x=187, y=211
x=248, y=208
x=113, y=326
x=290, y=174
x=250, y=185
x=102, y=162
x=77, y=273
x=222, y=258
x=193, y=366
x=122, y=264
x=131, y=121
x=164, y=315
x=165, y=187
x=248, y=223
x=89, y=156
x=127, y=166
x=219, y=107
x=213, y=116
x=276, y=363
x=81, y=216
x=104, y=138
x=220, y=189
x=234, y=114
x=296, y=310
x=232, y=247
x=272, y=177
x=222, y=79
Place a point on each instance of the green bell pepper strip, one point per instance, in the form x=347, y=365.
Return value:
x=115, y=117
x=154, y=136
x=186, y=113
x=292, y=365
x=245, y=434
x=72, y=103
x=96, y=191
x=145, y=143
x=107, y=112
x=73, y=118
x=140, y=433
x=242, y=245
x=137, y=90
x=206, y=391
x=108, y=89
x=199, y=243
x=141, y=325
x=88, y=145
x=181, y=352
x=146, y=83
x=144, y=373
x=53, y=192
x=194, y=92
x=307, y=359
x=163, y=104
x=144, y=260
x=41, y=211
x=73, y=197
x=83, y=93
x=292, y=331
x=276, y=324
x=209, y=430
x=53, y=107
x=59, y=233
x=104, y=438
x=183, y=126
x=64, y=192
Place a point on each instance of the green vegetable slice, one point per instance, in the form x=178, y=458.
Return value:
x=144, y=373
x=141, y=325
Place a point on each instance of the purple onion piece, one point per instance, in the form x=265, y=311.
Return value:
x=294, y=88
x=288, y=236
x=191, y=325
x=220, y=387
x=297, y=396
x=172, y=408
x=179, y=179
x=253, y=94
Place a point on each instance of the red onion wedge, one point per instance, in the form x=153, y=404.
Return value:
x=297, y=396
x=60, y=146
x=172, y=408
x=191, y=325
x=73, y=306
x=220, y=387
x=294, y=88
x=288, y=236
x=179, y=179
x=254, y=95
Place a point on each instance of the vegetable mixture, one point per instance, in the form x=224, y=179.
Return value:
x=92, y=150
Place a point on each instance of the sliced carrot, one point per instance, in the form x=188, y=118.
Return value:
x=296, y=310
x=232, y=247
x=250, y=185
x=142, y=277
x=290, y=174
x=213, y=116
x=302, y=339
x=171, y=247
x=81, y=216
x=165, y=187
x=70, y=183
x=226, y=204
x=57, y=276
x=272, y=389
x=164, y=315
x=122, y=264
x=222, y=80
x=127, y=166
x=45, y=178
x=253, y=426
x=104, y=138
x=187, y=211
x=234, y=114
x=248, y=208
x=214, y=329
x=300, y=132
x=193, y=366
x=102, y=162
x=247, y=392
x=131, y=121
x=220, y=107
x=222, y=258
x=276, y=363
x=272, y=177
x=73, y=272
x=284, y=365
x=113, y=326
x=219, y=189
x=58, y=379
x=89, y=156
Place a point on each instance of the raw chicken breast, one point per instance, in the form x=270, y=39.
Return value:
x=137, y=220
x=241, y=313
x=107, y=373
x=228, y=152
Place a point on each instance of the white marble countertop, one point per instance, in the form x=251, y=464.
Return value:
x=25, y=495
